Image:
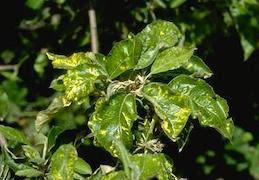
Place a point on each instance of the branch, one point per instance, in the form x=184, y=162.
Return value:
x=8, y=67
x=93, y=30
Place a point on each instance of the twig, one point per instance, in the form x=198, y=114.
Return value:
x=8, y=67
x=93, y=29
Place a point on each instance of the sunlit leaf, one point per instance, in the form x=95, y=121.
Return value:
x=113, y=119
x=209, y=108
x=171, y=59
x=63, y=162
x=155, y=36
x=64, y=62
x=169, y=106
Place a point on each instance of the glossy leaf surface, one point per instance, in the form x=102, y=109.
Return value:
x=157, y=35
x=171, y=59
x=113, y=119
x=209, y=108
x=169, y=106
x=123, y=56
x=197, y=67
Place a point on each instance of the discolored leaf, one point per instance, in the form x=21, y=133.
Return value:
x=209, y=108
x=82, y=167
x=84, y=69
x=32, y=153
x=115, y=176
x=113, y=119
x=157, y=35
x=152, y=165
x=123, y=56
x=171, y=59
x=30, y=173
x=76, y=59
x=169, y=106
x=13, y=134
x=197, y=67
x=63, y=162
x=46, y=115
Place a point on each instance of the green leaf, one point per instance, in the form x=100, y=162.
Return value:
x=46, y=115
x=171, y=58
x=40, y=64
x=246, y=18
x=52, y=136
x=34, y=4
x=176, y=3
x=4, y=104
x=30, y=173
x=82, y=167
x=118, y=175
x=209, y=108
x=32, y=153
x=253, y=169
x=13, y=134
x=169, y=106
x=157, y=35
x=113, y=119
x=152, y=165
x=198, y=68
x=123, y=56
x=63, y=162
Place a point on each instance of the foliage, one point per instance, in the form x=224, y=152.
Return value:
x=128, y=107
x=62, y=26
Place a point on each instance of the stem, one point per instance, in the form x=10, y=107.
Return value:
x=45, y=148
x=9, y=67
x=93, y=29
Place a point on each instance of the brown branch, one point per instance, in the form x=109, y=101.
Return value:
x=93, y=30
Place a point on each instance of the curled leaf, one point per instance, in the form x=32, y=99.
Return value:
x=209, y=108
x=46, y=115
x=169, y=106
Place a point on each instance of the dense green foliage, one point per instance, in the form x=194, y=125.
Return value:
x=62, y=27
x=120, y=96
